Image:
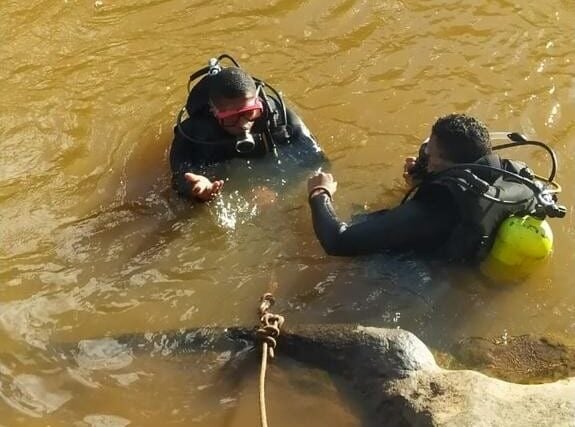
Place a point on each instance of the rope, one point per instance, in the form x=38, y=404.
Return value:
x=268, y=332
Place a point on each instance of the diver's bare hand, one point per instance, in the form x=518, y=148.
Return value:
x=322, y=182
x=202, y=188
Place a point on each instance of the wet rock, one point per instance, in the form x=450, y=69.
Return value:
x=341, y=348
x=521, y=359
x=399, y=383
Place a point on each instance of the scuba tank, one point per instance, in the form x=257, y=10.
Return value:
x=521, y=245
x=524, y=243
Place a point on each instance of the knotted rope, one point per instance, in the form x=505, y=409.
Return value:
x=268, y=332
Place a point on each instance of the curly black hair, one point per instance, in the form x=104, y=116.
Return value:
x=230, y=83
x=461, y=138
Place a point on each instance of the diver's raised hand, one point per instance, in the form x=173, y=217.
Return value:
x=321, y=183
x=202, y=188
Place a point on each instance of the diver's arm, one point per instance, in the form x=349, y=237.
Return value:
x=180, y=163
x=187, y=178
x=308, y=150
x=414, y=225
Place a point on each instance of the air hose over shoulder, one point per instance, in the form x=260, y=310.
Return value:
x=544, y=189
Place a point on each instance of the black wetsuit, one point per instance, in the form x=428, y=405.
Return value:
x=217, y=146
x=451, y=215
x=422, y=224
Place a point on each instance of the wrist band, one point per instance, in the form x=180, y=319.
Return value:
x=319, y=187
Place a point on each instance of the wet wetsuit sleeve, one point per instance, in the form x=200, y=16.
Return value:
x=181, y=161
x=414, y=225
x=308, y=151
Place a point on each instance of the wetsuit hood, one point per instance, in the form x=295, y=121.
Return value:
x=198, y=98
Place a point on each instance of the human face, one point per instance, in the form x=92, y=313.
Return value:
x=237, y=115
x=435, y=160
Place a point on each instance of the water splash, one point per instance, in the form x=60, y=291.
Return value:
x=101, y=420
x=31, y=395
x=396, y=318
x=504, y=337
x=103, y=354
x=233, y=209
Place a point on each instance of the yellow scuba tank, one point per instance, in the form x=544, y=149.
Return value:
x=521, y=245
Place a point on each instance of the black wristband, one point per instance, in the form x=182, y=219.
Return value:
x=323, y=191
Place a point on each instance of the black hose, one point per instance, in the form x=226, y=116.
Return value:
x=519, y=140
x=226, y=56
x=470, y=166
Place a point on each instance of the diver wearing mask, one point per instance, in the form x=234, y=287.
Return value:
x=230, y=115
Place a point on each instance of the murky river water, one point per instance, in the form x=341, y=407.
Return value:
x=93, y=243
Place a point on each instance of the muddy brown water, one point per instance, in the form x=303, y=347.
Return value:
x=94, y=244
